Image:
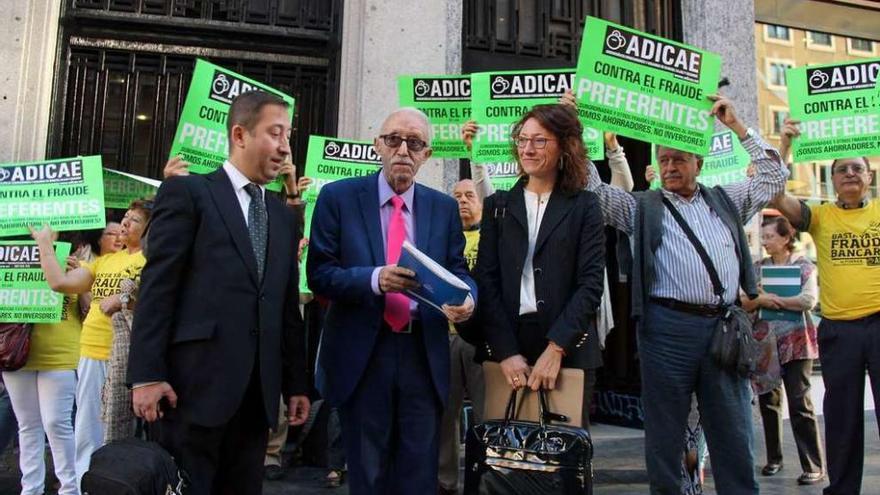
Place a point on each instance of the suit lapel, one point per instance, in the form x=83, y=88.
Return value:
x=516, y=206
x=230, y=211
x=369, y=206
x=557, y=209
x=276, y=250
x=424, y=206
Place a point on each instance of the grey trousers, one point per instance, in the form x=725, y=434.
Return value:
x=466, y=375
x=796, y=378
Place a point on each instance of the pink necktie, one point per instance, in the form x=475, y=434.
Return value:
x=396, y=304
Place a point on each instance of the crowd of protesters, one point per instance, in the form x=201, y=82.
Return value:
x=219, y=297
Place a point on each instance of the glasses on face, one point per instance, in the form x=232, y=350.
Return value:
x=857, y=168
x=538, y=143
x=412, y=144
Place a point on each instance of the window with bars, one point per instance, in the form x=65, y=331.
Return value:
x=122, y=99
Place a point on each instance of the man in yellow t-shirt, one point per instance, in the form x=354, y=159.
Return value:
x=466, y=375
x=847, y=238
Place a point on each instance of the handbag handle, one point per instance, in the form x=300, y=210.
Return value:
x=544, y=414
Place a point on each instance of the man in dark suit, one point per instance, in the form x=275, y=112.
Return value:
x=384, y=359
x=217, y=334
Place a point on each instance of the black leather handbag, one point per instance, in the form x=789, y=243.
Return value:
x=510, y=457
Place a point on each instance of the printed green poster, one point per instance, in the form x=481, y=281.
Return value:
x=329, y=159
x=201, y=133
x=646, y=87
x=67, y=194
x=121, y=188
x=500, y=99
x=502, y=175
x=838, y=106
x=446, y=100
x=25, y=296
x=726, y=162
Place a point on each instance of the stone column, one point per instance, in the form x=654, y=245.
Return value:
x=28, y=43
x=727, y=28
x=382, y=39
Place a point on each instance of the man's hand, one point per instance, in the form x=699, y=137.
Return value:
x=546, y=369
x=175, y=167
x=110, y=305
x=568, y=99
x=516, y=370
x=789, y=132
x=468, y=131
x=145, y=400
x=459, y=314
x=298, y=410
x=725, y=113
x=393, y=278
x=611, y=143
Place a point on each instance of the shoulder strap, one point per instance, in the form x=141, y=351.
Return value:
x=704, y=256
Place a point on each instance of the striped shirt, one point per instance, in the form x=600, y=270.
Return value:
x=680, y=274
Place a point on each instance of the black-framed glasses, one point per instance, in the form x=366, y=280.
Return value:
x=538, y=142
x=412, y=144
x=857, y=168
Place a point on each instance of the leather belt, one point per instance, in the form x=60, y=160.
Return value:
x=705, y=310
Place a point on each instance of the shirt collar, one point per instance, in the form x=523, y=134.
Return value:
x=237, y=178
x=673, y=196
x=385, y=193
x=863, y=203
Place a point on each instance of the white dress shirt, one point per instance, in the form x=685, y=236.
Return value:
x=238, y=182
x=536, y=205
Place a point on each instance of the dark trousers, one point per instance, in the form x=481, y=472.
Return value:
x=675, y=362
x=466, y=375
x=222, y=460
x=796, y=378
x=846, y=350
x=391, y=422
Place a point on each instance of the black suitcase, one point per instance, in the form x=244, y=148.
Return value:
x=510, y=457
x=132, y=467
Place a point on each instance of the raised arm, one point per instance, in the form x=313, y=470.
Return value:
x=71, y=282
x=618, y=206
x=621, y=175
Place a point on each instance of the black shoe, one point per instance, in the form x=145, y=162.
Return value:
x=810, y=478
x=274, y=473
x=771, y=469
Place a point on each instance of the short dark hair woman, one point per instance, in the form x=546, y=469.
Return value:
x=541, y=257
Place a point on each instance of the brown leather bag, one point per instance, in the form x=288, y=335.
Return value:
x=15, y=345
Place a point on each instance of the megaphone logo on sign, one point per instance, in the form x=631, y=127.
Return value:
x=500, y=85
x=422, y=88
x=615, y=40
x=331, y=149
x=220, y=84
x=819, y=79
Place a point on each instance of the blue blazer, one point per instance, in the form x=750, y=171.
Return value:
x=344, y=247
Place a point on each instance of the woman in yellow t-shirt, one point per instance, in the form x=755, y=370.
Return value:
x=42, y=395
x=102, y=278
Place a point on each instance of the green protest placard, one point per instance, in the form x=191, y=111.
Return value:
x=329, y=159
x=726, y=162
x=67, y=194
x=646, y=87
x=25, y=296
x=121, y=188
x=446, y=100
x=838, y=106
x=201, y=138
x=502, y=175
x=500, y=99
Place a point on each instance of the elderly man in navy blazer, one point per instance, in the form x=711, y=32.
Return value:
x=384, y=359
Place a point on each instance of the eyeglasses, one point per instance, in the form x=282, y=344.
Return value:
x=857, y=168
x=412, y=144
x=538, y=142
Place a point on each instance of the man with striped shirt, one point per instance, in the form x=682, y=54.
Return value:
x=675, y=303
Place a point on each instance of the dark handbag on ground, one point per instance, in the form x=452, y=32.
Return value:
x=733, y=345
x=510, y=457
x=132, y=466
x=15, y=345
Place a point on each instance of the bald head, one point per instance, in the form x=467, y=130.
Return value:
x=470, y=208
x=404, y=144
x=414, y=113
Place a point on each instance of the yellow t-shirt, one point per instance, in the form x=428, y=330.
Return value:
x=471, y=243
x=109, y=272
x=848, y=246
x=55, y=346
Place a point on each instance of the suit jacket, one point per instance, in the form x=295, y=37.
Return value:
x=203, y=320
x=345, y=246
x=568, y=263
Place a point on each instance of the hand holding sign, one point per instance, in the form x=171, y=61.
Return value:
x=725, y=113
x=175, y=166
x=468, y=131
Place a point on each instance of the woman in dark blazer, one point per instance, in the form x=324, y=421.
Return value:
x=541, y=258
